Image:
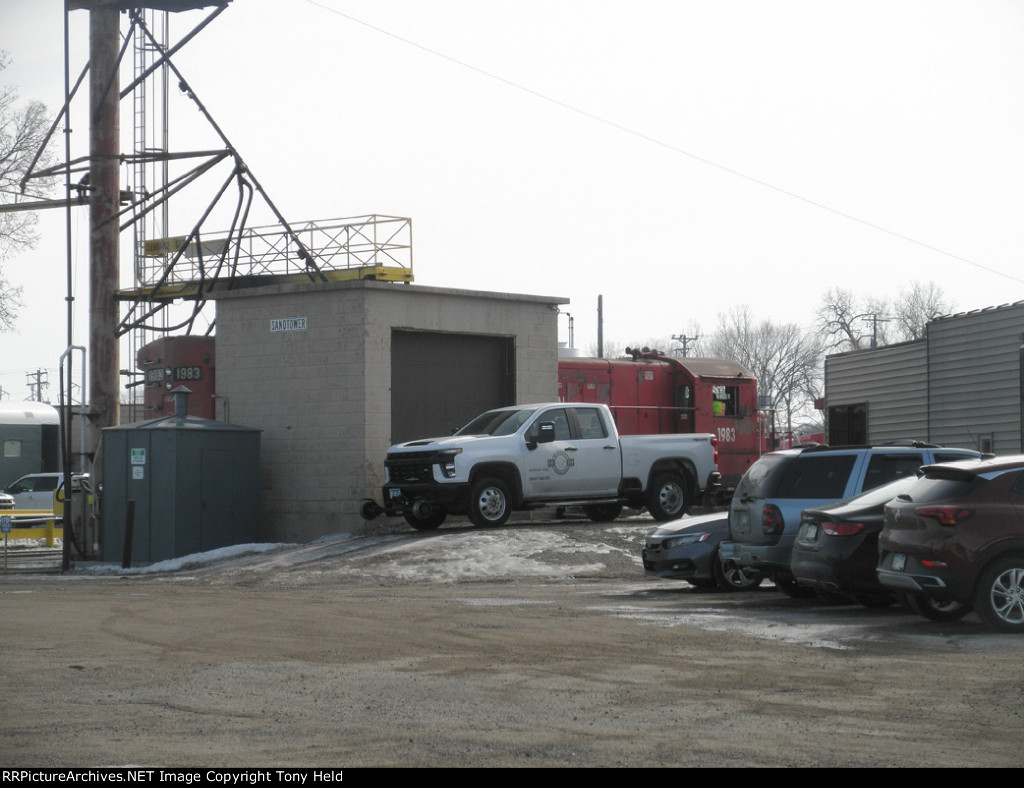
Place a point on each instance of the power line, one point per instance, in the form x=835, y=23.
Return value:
x=667, y=146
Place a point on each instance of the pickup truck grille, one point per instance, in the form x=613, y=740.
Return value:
x=411, y=467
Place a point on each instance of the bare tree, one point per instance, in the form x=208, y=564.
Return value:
x=847, y=322
x=917, y=306
x=22, y=133
x=784, y=358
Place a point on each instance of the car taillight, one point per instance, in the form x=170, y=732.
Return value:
x=771, y=519
x=842, y=529
x=946, y=515
x=714, y=445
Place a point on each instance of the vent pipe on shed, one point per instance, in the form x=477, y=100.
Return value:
x=181, y=395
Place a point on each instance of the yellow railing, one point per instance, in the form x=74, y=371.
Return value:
x=34, y=524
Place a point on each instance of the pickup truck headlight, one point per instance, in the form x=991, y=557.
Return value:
x=446, y=459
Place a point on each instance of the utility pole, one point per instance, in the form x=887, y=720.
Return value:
x=37, y=380
x=875, y=320
x=685, y=340
x=104, y=260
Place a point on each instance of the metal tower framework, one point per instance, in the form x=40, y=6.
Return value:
x=177, y=271
x=184, y=269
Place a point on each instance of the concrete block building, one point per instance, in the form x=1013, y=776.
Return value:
x=334, y=373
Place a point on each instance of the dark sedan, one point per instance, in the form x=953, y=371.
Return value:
x=687, y=549
x=836, y=549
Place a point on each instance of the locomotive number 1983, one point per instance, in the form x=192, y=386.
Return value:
x=188, y=373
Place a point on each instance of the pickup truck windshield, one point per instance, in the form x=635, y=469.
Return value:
x=497, y=422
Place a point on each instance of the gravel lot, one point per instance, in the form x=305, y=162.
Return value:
x=529, y=645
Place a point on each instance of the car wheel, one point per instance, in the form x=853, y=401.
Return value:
x=794, y=590
x=735, y=578
x=431, y=522
x=666, y=498
x=489, y=503
x=999, y=598
x=875, y=601
x=936, y=609
x=603, y=512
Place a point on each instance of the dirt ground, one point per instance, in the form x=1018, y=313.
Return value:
x=539, y=645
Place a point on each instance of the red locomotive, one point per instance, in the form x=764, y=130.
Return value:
x=651, y=393
x=178, y=361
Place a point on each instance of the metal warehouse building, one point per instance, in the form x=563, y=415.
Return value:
x=960, y=386
x=334, y=373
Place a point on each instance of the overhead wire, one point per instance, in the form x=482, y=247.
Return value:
x=666, y=145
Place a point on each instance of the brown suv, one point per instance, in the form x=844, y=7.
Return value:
x=957, y=536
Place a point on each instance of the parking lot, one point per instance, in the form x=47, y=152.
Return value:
x=537, y=644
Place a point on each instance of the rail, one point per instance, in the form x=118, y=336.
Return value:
x=373, y=246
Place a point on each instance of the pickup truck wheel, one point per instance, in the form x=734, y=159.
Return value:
x=489, y=503
x=429, y=523
x=666, y=499
x=602, y=512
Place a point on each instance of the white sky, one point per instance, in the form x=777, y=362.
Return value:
x=680, y=158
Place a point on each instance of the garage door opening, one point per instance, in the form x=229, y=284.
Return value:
x=440, y=381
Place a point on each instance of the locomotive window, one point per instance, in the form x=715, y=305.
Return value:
x=12, y=448
x=724, y=400
x=684, y=397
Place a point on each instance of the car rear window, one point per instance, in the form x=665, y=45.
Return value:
x=884, y=468
x=931, y=488
x=954, y=456
x=816, y=476
x=763, y=476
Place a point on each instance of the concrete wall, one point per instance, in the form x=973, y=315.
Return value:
x=321, y=394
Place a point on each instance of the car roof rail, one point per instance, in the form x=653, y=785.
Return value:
x=915, y=444
x=862, y=446
x=827, y=447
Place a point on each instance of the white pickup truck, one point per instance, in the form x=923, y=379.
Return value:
x=555, y=454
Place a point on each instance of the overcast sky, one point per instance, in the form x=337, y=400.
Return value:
x=680, y=158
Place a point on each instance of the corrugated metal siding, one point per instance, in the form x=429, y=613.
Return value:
x=974, y=369
x=891, y=380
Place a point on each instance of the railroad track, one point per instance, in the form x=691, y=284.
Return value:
x=21, y=559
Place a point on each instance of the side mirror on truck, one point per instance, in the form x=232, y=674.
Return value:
x=545, y=434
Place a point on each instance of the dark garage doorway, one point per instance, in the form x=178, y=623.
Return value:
x=441, y=381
